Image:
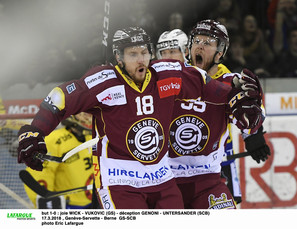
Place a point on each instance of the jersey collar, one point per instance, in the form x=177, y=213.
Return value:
x=222, y=69
x=132, y=84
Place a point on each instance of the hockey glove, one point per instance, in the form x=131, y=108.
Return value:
x=246, y=111
x=256, y=145
x=31, y=141
x=250, y=84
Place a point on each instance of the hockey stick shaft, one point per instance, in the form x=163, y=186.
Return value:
x=70, y=153
x=69, y=191
x=105, y=32
x=232, y=157
x=27, y=178
x=238, y=155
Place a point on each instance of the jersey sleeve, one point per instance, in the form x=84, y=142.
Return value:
x=211, y=91
x=67, y=99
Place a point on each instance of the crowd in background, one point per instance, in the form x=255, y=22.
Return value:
x=67, y=34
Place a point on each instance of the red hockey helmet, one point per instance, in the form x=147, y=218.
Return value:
x=131, y=36
x=213, y=29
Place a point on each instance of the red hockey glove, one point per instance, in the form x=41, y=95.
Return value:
x=250, y=84
x=31, y=140
x=246, y=111
x=256, y=145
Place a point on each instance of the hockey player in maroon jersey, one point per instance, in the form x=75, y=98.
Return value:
x=197, y=147
x=132, y=104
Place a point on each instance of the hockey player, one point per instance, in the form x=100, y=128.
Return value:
x=77, y=171
x=131, y=104
x=199, y=146
x=172, y=45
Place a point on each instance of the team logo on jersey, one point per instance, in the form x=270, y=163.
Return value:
x=70, y=88
x=145, y=139
x=188, y=134
x=220, y=203
x=99, y=77
x=113, y=96
x=168, y=87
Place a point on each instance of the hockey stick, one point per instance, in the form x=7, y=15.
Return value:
x=27, y=178
x=82, y=146
x=15, y=196
x=105, y=30
x=235, y=156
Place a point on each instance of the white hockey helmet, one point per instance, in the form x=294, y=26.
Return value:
x=173, y=39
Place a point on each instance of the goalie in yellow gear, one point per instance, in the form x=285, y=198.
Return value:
x=77, y=171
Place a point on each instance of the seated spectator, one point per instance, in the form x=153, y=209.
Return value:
x=256, y=50
x=285, y=63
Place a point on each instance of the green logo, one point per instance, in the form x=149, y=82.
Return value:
x=20, y=215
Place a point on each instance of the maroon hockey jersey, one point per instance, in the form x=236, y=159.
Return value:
x=198, y=134
x=132, y=123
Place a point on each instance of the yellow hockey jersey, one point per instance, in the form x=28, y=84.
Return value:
x=77, y=171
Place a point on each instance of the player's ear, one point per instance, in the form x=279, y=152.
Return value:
x=119, y=59
x=218, y=57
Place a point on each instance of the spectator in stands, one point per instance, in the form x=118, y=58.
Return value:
x=286, y=62
x=235, y=59
x=228, y=13
x=176, y=21
x=282, y=17
x=142, y=17
x=256, y=49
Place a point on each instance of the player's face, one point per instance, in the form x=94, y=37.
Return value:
x=137, y=59
x=203, y=50
x=175, y=54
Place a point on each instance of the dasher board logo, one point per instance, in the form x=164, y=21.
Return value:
x=188, y=134
x=113, y=96
x=145, y=139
